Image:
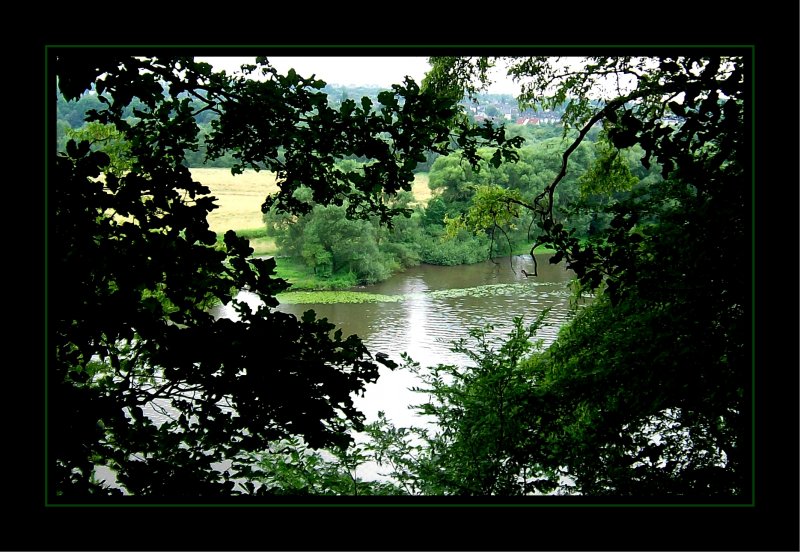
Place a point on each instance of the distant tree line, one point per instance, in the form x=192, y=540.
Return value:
x=71, y=121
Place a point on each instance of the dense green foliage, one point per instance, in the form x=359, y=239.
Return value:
x=291, y=468
x=107, y=139
x=349, y=252
x=494, y=200
x=330, y=243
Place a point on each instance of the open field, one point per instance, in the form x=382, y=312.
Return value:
x=240, y=197
x=420, y=189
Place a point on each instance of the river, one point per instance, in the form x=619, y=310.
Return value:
x=439, y=304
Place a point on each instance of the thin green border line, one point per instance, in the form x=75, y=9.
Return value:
x=751, y=48
x=397, y=505
x=404, y=46
x=47, y=92
x=753, y=270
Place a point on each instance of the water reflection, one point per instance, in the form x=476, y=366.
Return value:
x=440, y=305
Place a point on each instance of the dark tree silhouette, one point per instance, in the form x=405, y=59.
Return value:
x=133, y=269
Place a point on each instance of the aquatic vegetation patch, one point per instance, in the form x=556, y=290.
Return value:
x=331, y=297
x=489, y=290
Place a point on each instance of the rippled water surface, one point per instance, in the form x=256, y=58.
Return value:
x=439, y=305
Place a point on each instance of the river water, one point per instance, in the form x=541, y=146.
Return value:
x=439, y=305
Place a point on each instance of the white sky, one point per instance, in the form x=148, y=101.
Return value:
x=380, y=71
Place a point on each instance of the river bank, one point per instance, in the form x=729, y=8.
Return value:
x=303, y=278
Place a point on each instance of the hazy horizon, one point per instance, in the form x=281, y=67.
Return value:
x=380, y=71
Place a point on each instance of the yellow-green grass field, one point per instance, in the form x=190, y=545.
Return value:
x=422, y=192
x=240, y=197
